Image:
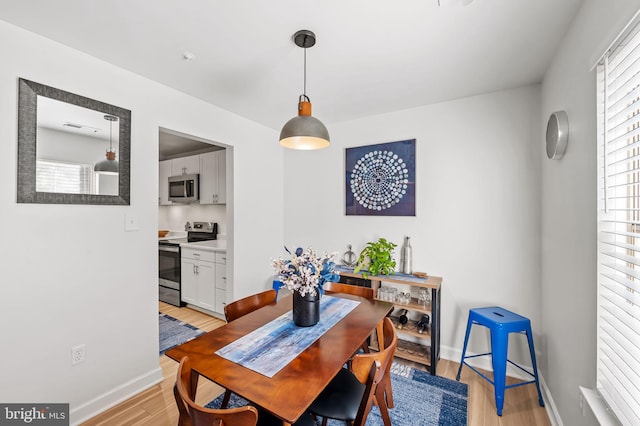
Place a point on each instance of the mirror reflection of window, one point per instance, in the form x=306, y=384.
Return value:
x=68, y=178
x=69, y=136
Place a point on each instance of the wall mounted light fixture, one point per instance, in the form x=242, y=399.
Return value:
x=304, y=131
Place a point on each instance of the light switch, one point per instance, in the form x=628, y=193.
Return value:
x=130, y=222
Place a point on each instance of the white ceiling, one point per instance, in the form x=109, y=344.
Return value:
x=371, y=56
x=174, y=145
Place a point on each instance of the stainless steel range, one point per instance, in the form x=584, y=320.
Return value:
x=169, y=259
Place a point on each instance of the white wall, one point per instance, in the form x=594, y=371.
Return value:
x=477, y=220
x=72, y=147
x=71, y=274
x=569, y=208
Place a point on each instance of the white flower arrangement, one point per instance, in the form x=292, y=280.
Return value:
x=306, y=271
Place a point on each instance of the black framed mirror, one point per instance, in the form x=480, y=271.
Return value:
x=63, y=139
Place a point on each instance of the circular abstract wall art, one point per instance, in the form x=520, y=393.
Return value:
x=379, y=180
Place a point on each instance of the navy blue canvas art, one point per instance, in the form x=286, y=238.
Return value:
x=380, y=179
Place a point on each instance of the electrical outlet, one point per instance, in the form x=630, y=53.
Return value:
x=78, y=354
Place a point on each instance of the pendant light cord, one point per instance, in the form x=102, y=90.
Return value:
x=304, y=88
x=110, y=138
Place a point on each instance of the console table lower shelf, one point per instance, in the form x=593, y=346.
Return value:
x=412, y=351
x=423, y=348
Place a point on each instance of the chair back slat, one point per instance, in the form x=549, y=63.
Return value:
x=240, y=308
x=333, y=287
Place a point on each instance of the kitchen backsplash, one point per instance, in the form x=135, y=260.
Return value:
x=174, y=217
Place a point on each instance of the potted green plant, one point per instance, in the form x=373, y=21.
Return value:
x=376, y=258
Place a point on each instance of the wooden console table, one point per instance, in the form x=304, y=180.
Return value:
x=427, y=348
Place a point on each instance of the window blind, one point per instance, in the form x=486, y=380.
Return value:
x=53, y=176
x=618, y=358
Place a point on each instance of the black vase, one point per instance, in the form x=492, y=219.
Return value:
x=306, y=309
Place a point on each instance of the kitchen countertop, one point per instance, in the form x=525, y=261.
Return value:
x=173, y=235
x=211, y=245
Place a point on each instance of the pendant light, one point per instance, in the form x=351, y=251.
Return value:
x=110, y=165
x=304, y=131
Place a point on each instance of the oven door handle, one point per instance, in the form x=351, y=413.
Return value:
x=172, y=249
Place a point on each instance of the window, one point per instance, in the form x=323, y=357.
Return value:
x=68, y=178
x=618, y=358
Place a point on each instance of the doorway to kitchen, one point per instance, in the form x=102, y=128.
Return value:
x=195, y=191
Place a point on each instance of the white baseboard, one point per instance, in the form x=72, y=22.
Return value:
x=115, y=396
x=484, y=363
x=549, y=404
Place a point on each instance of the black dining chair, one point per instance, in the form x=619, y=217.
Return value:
x=350, y=394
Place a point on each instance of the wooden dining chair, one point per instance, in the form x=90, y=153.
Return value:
x=241, y=307
x=366, y=292
x=384, y=392
x=351, y=392
x=192, y=414
x=333, y=287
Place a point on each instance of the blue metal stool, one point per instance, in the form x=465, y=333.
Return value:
x=500, y=322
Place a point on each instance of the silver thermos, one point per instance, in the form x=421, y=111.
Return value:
x=406, y=254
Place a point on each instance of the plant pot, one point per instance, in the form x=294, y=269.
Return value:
x=306, y=309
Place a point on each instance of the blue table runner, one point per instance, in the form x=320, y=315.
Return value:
x=271, y=347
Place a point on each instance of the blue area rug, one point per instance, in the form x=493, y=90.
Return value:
x=174, y=332
x=420, y=400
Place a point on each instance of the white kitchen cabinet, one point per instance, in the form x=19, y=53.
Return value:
x=221, y=281
x=213, y=177
x=188, y=281
x=222, y=177
x=165, y=173
x=198, y=278
x=221, y=300
x=185, y=165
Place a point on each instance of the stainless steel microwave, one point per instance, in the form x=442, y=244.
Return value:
x=184, y=188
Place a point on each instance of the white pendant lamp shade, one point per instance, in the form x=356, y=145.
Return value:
x=110, y=164
x=304, y=132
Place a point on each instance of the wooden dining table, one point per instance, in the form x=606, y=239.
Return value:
x=287, y=394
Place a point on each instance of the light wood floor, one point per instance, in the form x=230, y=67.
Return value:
x=157, y=407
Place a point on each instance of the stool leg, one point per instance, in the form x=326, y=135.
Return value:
x=535, y=367
x=464, y=347
x=499, y=345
